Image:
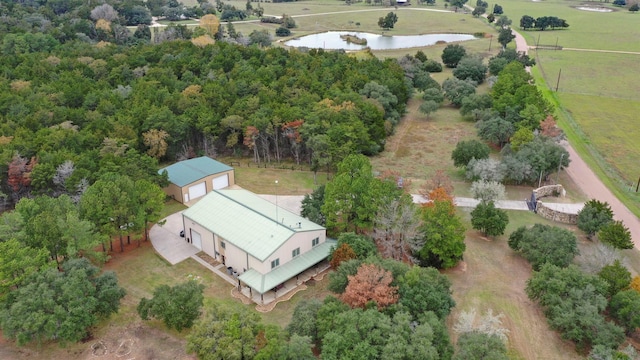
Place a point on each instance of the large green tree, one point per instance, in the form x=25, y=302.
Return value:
x=452, y=54
x=543, y=244
x=225, y=332
x=60, y=306
x=469, y=149
x=352, y=198
x=425, y=289
x=18, y=262
x=625, y=309
x=440, y=242
x=616, y=234
x=178, y=306
x=593, y=216
x=489, y=219
x=480, y=346
x=617, y=277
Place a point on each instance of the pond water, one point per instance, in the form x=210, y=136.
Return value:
x=592, y=8
x=331, y=40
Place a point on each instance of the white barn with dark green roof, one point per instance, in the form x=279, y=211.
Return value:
x=194, y=178
x=264, y=244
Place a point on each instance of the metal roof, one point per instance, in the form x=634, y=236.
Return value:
x=265, y=282
x=188, y=171
x=248, y=221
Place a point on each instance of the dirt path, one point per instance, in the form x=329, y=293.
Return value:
x=587, y=180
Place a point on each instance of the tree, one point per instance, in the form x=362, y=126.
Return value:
x=543, y=244
x=312, y=206
x=471, y=67
x=452, y=54
x=60, y=306
x=635, y=283
x=505, y=36
x=616, y=234
x=150, y=198
x=573, y=303
x=617, y=277
x=155, y=140
x=111, y=205
x=362, y=245
x=104, y=11
x=352, y=197
x=469, y=149
x=441, y=242
x=478, y=11
x=210, y=24
x=260, y=38
x=527, y=22
x=497, y=9
x=456, y=90
x=487, y=190
x=625, y=309
x=476, y=345
x=225, y=332
x=342, y=253
x=395, y=227
x=487, y=170
x=283, y=31
x=593, y=216
x=18, y=262
x=544, y=156
x=503, y=21
x=428, y=107
x=634, y=8
x=496, y=130
x=303, y=319
x=178, y=306
x=491, y=18
x=370, y=283
x=488, y=219
x=439, y=180
x=388, y=21
x=425, y=289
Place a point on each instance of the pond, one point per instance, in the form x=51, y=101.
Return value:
x=331, y=40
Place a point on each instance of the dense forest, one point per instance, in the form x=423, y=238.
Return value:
x=100, y=107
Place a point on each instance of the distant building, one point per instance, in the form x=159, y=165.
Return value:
x=194, y=178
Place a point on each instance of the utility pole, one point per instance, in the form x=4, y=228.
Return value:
x=558, y=82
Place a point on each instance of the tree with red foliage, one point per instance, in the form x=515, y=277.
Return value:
x=251, y=133
x=549, y=127
x=344, y=252
x=370, y=283
x=19, y=178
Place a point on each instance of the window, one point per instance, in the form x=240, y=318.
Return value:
x=315, y=242
x=275, y=263
x=223, y=245
x=295, y=252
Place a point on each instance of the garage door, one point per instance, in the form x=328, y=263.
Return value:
x=196, y=239
x=197, y=191
x=221, y=182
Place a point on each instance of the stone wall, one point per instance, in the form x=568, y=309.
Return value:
x=555, y=215
x=549, y=190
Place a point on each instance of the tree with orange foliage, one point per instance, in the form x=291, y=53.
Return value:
x=370, y=283
x=635, y=284
x=439, y=180
x=344, y=252
x=439, y=194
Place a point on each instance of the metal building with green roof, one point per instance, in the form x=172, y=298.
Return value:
x=264, y=244
x=193, y=178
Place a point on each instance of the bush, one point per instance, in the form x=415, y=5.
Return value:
x=543, y=244
x=177, y=306
x=489, y=219
x=467, y=150
x=282, y=31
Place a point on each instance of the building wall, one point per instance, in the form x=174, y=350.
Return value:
x=178, y=193
x=302, y=240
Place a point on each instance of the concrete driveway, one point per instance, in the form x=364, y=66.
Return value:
x=167, y=241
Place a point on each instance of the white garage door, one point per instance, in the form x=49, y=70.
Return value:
x=221, y=182
x=196, y=239
x=198, y=190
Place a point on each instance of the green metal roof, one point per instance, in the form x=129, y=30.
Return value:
x=265, y=282
x=188, y=171
x=248, y=221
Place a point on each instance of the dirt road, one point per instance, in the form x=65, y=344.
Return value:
x=587, y=180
